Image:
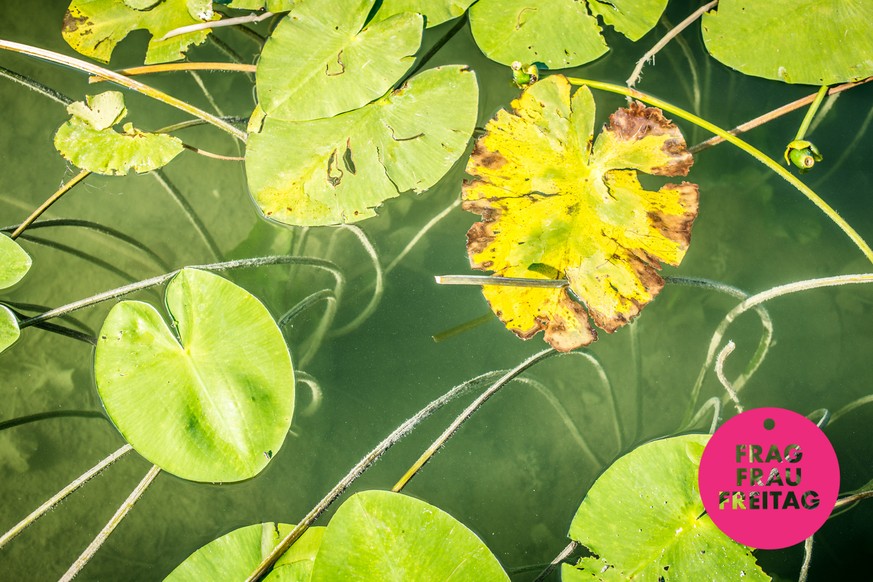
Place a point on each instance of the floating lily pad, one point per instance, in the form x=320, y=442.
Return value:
x=88, y=140
x=558, y=204
x=319, y=62
x=336, y=170
x=558, y=33
x=9, y=331
x=383, y=537
x=95, y=27
x=236, y=555
x=810, y=42
x=274, y=6
x=645, y=520
x=435, y=11
x=14, y=262
x=211, y=404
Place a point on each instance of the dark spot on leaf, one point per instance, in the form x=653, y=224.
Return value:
x=334, y=70
x=347, y=158
x=71, y=23
x=334, y=174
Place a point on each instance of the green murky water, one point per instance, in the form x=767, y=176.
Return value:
x=517, y=471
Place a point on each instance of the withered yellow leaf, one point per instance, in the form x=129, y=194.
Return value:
x=557, y=204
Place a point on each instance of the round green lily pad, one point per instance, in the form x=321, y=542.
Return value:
x=14, y=262
x=645, y=520
x=319, y=62
x=814, y=42
x=214, y=402
x=557, y=33
x=338, y=170
x=435, y=11
x=383, y=536
x=235, y=555
x=9, y=331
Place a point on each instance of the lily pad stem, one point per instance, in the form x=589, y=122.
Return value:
x=66, y=187
x=174, y=67
x=132, y=84
x=810, y=113
x=743, y=145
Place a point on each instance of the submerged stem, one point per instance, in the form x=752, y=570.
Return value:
x=87, y=67
x=62, y=494
x=110, y=526
x=810, y=113
x=746, y=147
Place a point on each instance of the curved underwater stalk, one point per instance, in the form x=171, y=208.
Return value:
x=65, y=187
x=36, y=86
x=314, y=388
x=110, y=526
x=607, y=390
x=713, y=403
x=22, y=420
x=420, y=234
x=75, y=334
x=755, y=300
x=757, y=358
x=189, y=211
x=378, y=288
x=100, y=228
x=727, y=350
x=807, y=560
x=356, y=471
x=743, y=145
x=132, y=84
x=93, y=259
x=562, y=555
x=565, y=419
x=857, y=403
x=62, y=494
x=317, y=337
x=161, y=279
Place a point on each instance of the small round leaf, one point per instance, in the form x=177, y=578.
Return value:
x=14, y=262
x=213, y=404
x=383, y=536
x=235, y=555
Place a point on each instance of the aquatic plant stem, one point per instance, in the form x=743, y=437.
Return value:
x=22, y=420
x=650, y=54
x=418, y=236
x=562, y=555
x=62, y=494
x=66, y=187
x=217, y=24
x=132, y=84
x=437, y=47
x=746, y=147
x=810, y=113
x=35, y=86
x=356, y=471
x=774, y=114
x=466, y=414
x=807, y=556
x=174, y=67
x=161, y=279
x=171, y=189
x=727, y=350
x=110, y=526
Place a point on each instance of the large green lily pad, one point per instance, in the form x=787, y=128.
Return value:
x=319, y=62
x=89, y=141
x=338, y=170
x=9, y=331
x=211, y=404
x=95, y=27
x=557, y=33
x=235, y=555
x=435, y=11
x=645, y=520
x=814, y=42
x=384, y=537
x=14, y=262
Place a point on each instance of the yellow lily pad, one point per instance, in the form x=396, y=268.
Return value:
x=557, y=204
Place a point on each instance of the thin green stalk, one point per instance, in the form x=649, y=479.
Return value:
x=22, y=420
x=93, y=69
x=810, y=113
x=35, y=86
x=62, y=494
x=189, y=211
x=73, y=251
x=378, y=286
x=161, y=279
x=743, y=145
x=437, y=46
x=316, y=337
x=66, y=187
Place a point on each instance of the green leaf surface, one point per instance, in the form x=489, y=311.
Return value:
x=558, y=33
x=814, y=42
x=95, y=27
x=319, y=62
x=435, y=11
x=88, y=140
x=213, y=404
x=9, y=331
x=644, y=517
x=235, y=555
x=274, y=6
x=336, y=170
x=383, y=536
x=14, y=262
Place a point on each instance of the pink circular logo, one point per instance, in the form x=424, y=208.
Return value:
x=769, y=478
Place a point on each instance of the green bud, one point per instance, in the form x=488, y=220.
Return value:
x=802, y=154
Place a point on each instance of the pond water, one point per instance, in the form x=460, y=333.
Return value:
x=517, y=471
